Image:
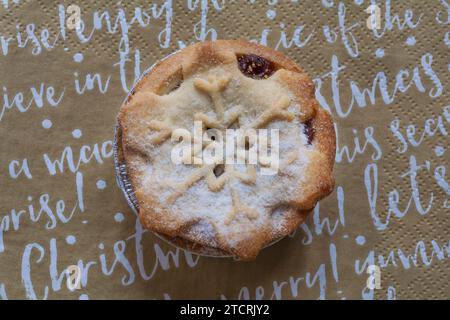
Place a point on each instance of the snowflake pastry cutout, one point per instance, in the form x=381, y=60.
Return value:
x=217, y=176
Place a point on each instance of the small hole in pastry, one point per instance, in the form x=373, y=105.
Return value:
x=247, y=143
x=256, y=67
x=212, y=133
x=309, y=130
x=219, y=170
x=174, y=82
x=176, y=86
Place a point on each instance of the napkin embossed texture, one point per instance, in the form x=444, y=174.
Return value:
x=381, y=70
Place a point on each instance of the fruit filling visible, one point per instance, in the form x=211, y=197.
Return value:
x=256, y=67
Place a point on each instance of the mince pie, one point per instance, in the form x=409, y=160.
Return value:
x=222, y=207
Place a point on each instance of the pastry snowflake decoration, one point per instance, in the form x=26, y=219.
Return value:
x=218, y=207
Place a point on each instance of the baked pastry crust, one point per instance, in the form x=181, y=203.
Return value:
x=204, y=81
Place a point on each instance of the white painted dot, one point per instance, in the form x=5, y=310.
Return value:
x=66, y=49
x=379, y=53
x=101, y=246
x=47, y=124
x=71, y=240
x=345, y=236
x=119, y=217
x=271, y=14
x=360, y=240
x=101, y=184
x=84, y=297
x=77, y=133
x=78, y=57
x=411, y=41
x=84, y=222
x=439, y=151
x=359, y=2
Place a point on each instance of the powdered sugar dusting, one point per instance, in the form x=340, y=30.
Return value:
x=211, y=208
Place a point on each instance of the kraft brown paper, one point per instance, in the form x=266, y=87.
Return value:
x=390, y=208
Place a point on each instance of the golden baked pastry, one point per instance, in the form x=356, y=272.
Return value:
x=226, y=208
